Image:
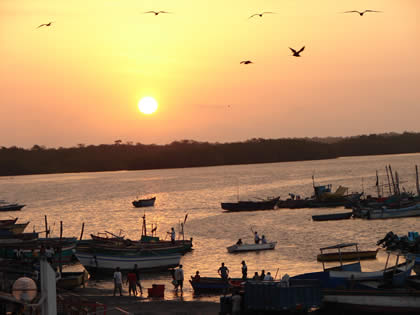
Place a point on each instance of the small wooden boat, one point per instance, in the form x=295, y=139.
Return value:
x=332, y=216
x=390, y=213
x=8, y=222
x=108, y=262
x=348, y=256
x=144, y=202
x=250, y=247
x=72, y=280
x=16, y=228
x=268, y=204
x=214, y=285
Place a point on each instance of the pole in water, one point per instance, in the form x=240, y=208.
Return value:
x=81, y=233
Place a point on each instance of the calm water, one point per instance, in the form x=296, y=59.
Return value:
x=103, y=202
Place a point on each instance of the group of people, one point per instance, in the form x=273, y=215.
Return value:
x=224, y=273
x=257, y=239
x=133, y=281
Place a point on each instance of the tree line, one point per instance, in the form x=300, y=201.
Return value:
x=190, y=153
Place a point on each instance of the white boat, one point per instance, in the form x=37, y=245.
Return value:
x=398, y=301
x=388, y=213
x=105, y=262
x=250, y=247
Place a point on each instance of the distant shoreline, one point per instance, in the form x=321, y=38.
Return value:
x=16, y=161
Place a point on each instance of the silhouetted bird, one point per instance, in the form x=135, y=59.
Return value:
x=246, y=62
x=157, y=12
x=45, y=24
x=261, y=14
x=361, y=13
x=297, y=53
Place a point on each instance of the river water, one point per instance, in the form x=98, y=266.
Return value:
x=102, y=201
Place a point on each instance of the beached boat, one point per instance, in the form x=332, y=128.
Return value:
x=72, y=280
x=332, y=216
x=250, y=247
x=150, y=202
x=268, y=204
x=214, y=285
x=106, y=262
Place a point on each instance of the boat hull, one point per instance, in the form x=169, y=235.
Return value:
x=250, y=205
x=347, y=256
x=105, y=262
x=378, y=301
x=144, y=202
x=72, y=280
x=11, y=207
x=250, y=247
x=332, y=216
x=386, y=213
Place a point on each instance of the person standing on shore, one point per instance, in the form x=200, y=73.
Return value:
x=118, y=281
x=244, y=270
x=179, y=277
x=223, y=271
x=132, y=283
x=138, y=283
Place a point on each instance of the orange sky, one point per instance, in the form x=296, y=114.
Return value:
x=79, y=81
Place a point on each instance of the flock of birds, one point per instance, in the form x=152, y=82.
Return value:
x=295, y=53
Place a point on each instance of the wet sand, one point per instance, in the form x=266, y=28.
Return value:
x=144, y=305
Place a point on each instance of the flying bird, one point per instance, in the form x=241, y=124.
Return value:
x=261, y=14
x=297, y=53
x=246, y=62
x=156, y=12
x=363, y=12
x=45, y=24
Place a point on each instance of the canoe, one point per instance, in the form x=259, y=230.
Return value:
x=144, y=202
x=11, y=207
x=72, y=280
x=250, y=205
x=332, y=216
x=8, y=221
x=106, y=262
x=250, y=247
x=347, y=256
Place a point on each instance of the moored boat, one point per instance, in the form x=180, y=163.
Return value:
x=390, y=213
x=106, y=262
x=10, y=206
x=214, y=285
x=150, y=202
x=250, y=247
x=332, y=216
x=347, y=256
x=268, y=204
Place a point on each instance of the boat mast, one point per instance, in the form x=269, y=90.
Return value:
x=377, y=184
x=389, y=182
x=392, y=178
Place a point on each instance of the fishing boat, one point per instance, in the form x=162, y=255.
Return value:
x=214, y=285
x=72, y=280
x=13, y=229
x=4, y=206
x=250, y=247
x=267, y=204
x=107, y=262
x=7, y=222
x=150, y=202
x=390, y=213
x=332, y=216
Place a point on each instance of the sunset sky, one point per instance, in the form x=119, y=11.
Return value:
x=79, y=81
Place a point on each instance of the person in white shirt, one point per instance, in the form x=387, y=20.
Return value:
x=118, y=281
x=268, y=277
x=172, y=233
x=179, y=277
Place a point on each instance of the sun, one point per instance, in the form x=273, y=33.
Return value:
x=148, y=105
